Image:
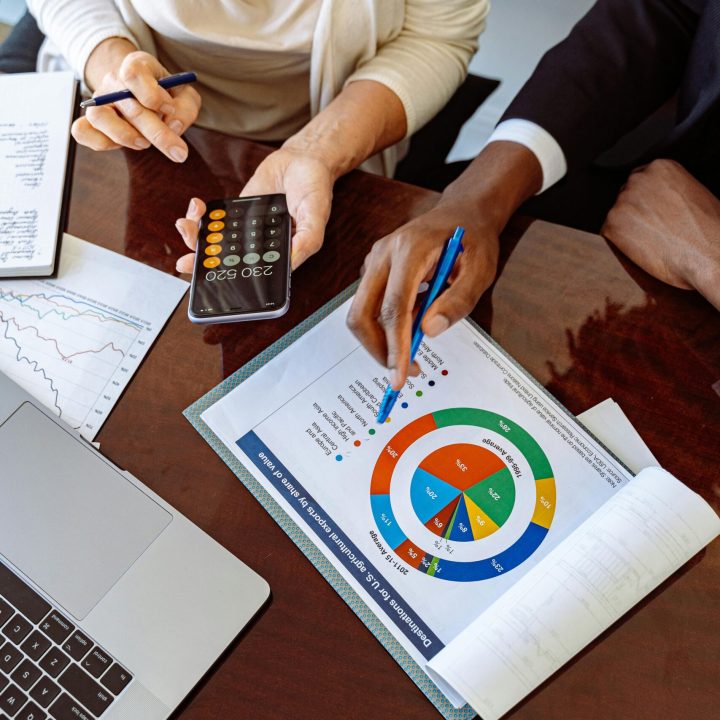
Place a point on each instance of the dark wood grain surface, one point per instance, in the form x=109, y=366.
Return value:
x=586, y=322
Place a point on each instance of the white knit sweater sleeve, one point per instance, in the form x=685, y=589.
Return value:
x=428, y=60
x=77, y=27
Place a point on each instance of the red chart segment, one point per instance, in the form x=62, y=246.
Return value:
x=440, y=522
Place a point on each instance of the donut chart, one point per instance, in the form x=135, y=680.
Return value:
x=464, y=493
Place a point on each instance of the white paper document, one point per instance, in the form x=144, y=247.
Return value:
x=35, y=116
x=75, y=341
x=435, y=517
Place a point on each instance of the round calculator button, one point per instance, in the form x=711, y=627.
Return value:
x=272, y=232
x=251, y=246
x=235, y=211
x=232, y=248
x=218, y=214
x=254, y=222
x=216, y=225
x=271, y=256
x=253, y=235
x=211, y=262
x=272, y=244
x=273, y=220
x=231, y=260
x=213, y=249
x=276, y=208
x=214, y=237
x=251, y=258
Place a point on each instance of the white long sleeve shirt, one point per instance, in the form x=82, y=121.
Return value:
x=266, y=68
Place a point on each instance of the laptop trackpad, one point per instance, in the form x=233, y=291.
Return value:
x=68, y=520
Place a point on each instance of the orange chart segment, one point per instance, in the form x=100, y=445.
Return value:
x=462, y=464
x=480, y=521
x=382, y=474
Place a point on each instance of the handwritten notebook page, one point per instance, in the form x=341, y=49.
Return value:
x=35, y=116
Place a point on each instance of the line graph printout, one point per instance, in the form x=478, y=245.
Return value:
x=75, y=341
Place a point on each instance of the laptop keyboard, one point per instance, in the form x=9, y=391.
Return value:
x=48, y=667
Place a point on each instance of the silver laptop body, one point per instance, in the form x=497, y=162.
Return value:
x=112, y=603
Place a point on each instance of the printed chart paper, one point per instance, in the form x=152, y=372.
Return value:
x=74, y=342
x=432, y=516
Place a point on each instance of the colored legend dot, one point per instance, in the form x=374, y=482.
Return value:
x=431, y=383
x=419, y=393
x=444, y=372
x=357, y=443
x=371, y=431
x=338, y=458
x=404, y=405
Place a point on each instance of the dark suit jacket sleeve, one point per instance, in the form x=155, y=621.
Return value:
x=619, y=63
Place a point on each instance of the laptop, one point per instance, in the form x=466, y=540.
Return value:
x=112, y=604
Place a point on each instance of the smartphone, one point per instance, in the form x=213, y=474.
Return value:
x=242, y=264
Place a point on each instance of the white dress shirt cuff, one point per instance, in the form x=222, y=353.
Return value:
x=540, y=142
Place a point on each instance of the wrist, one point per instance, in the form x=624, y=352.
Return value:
x=106, y=57
x=323, y=141
x=502, y=177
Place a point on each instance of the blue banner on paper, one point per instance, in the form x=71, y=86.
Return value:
x=347, y=553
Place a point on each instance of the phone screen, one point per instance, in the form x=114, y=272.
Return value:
x=242, y=263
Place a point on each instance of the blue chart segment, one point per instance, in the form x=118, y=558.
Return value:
x=462, y=493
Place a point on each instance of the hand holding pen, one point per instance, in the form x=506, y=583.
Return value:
x=146, y=114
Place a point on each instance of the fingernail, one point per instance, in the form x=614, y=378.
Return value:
x=395, y=378
x=176, y=126
x=436, y=325
x=167, y=109
x=192, y=207
x=180, y=229
x=142, y=144
x=178, y=154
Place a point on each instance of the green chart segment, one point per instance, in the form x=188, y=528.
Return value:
x=463, y=492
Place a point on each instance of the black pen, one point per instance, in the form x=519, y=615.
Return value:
x=167, y=82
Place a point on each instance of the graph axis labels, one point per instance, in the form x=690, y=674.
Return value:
x=463, y=493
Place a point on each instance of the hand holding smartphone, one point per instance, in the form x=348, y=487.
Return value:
x=242, y=265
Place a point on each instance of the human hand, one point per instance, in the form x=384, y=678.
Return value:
x=155, y=117
x=307, y=184
x=381, y=314
x=669, y=224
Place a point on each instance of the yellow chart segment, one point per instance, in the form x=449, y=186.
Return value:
x=481, y=524
x=545, y=503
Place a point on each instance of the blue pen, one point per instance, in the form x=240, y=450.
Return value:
x=168, y=82
x=451, y=252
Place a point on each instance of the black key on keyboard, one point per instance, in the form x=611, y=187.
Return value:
x=6, y=612
x=84, y=689
x=10, y=656
x=56, y=627
x=35, y=645
x=97, y=662
x=31, y=712
x=77, y=645
x=12, y=699
x=116, y=679
x=44, y=692
x=22, y=596
x=65, y=708
x=54, y=662
x=26, y=674
x=17, y=629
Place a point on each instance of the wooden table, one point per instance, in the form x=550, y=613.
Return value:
x=583, y=320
